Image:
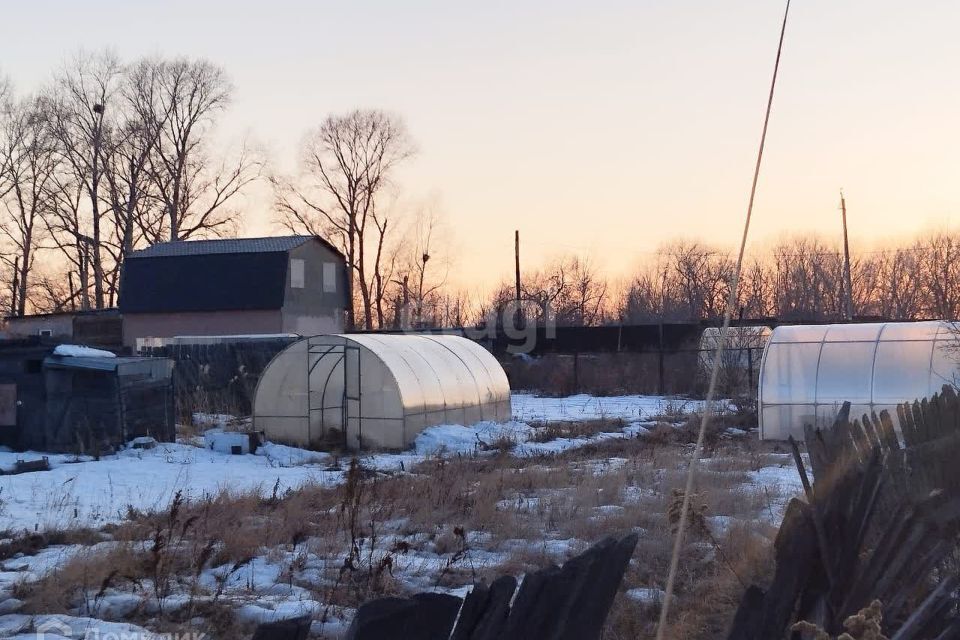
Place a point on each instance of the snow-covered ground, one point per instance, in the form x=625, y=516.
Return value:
x=94, y=493
x=79, y=491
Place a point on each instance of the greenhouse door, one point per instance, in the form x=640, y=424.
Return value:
x=333, y=390
x=351, y=398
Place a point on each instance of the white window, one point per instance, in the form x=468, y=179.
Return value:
x=329, y=277
x=296, y=273
x=46, y=333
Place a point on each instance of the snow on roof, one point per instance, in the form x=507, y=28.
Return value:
x=79, y=351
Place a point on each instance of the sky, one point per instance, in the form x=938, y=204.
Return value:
x=596, y=128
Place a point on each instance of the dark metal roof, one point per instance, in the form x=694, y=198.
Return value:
x=204, y=282
x=279, y=244
x=237, y=274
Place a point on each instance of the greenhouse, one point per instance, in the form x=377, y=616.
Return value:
x=808, y=372
x=377, y=391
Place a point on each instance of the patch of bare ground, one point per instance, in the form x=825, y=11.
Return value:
x=445, y=523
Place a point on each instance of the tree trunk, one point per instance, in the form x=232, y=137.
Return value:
x=351, y=257
x=22, y=277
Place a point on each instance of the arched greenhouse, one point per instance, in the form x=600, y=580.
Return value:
x=377, y=390
x=809, y=371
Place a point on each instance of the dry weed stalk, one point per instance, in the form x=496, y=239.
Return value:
x=864, y=625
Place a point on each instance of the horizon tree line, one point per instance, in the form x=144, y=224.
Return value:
x=111, y=156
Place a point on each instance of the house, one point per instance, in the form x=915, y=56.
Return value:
x=56, y=397
x=279, y=285
x=100, y=327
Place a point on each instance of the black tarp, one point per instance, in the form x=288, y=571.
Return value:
x=219, y=377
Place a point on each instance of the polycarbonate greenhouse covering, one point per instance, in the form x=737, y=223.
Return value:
x=808, y=372
x=377, y=390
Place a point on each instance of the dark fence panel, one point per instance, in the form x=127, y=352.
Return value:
x=220, y=377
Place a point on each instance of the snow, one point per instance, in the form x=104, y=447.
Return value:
x=784, y=479
x=79, y=491
x=55, y=627
x=90, y=493
x=530, y=408
x=266, y=611
x=258, y=575
x=8, y=460
x=46, y=560
x=14, y=623
x=455, y=438
x=284, y=456
x=645, y=595
x=559, y=445
x=78, y=351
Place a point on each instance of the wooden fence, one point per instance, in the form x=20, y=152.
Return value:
x=557, y=603
x=880, y=523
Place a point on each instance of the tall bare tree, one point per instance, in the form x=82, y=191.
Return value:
x=345, y=165
x=134, y=203
x=194, y=189
x=29, y=165
x=84, y=90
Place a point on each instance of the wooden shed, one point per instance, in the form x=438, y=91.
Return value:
x=78, y=401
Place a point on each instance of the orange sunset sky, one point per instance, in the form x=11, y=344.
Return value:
x=600, y=128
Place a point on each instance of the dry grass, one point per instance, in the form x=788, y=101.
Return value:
x=449, y=522
x=545, y=432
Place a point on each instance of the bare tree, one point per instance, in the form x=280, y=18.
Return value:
x=939, y=255
x=900, y=294
x=131, y=142
x=7, y=271
x=586, y=304
x=52, y=295
x=194, y=189
x=424, y=267
x=83, y=92
x=756, y=289
x=684, y=281
x=29, y=167
x=345, y=165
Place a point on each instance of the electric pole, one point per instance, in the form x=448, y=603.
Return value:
x=516, y=259
x=848, y=284
x=518, y=319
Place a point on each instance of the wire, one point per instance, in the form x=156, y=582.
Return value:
x=727, y=316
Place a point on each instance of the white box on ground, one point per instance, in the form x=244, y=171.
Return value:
x=232, y=442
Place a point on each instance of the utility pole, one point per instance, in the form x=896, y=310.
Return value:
x=516, y=258
x=848, y=283
x=518, y=319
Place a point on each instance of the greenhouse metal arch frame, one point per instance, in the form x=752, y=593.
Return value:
x=377, y=389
